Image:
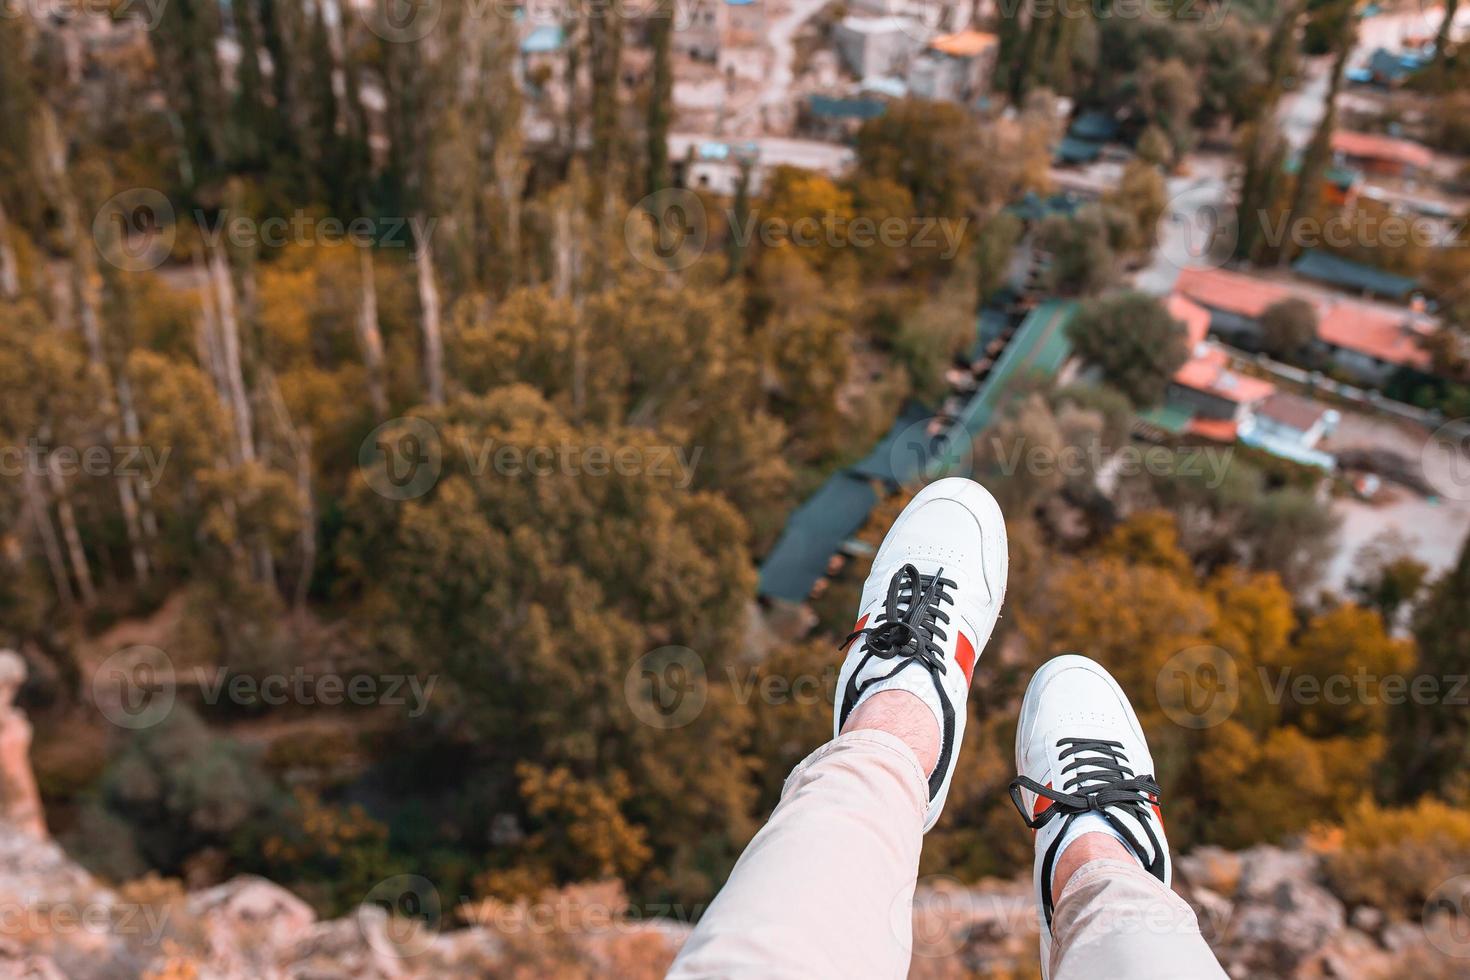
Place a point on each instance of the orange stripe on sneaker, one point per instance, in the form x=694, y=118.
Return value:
x=1041, y=804
x=1157, y=812
x=861, y=621
x=964, y=655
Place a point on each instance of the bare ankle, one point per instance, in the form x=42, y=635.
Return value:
x=904, y=715
x=1086, y=848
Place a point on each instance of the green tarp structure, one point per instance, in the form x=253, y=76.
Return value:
x=816, y=530
x=813, y=534
x=1347, y=274
x=829, y=108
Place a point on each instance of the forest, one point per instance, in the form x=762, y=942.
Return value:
x=262, y=263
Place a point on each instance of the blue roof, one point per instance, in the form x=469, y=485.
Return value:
x=1347, y=274
x=1097, y=127
x=991, y=324
x=546, y=38
x=828, y=107
x=894, y=88
x=1390, y=67
x=817, y=529
x=1041, y=344
x=1337, y=174
x=1034, y=207
x=1287, y=449
x=901, y=455
x=1074, y=150
x=812, y=536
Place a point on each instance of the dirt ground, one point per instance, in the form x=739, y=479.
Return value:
x=1434, y=528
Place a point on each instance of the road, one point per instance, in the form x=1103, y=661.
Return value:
x=775, y=95
x=1200, y=201
x=1301, y=111
x=1197, y=209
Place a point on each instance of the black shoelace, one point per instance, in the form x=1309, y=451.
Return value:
x=909, y=631
x=1101, y=782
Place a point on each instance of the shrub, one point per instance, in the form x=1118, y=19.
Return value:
x=1395, y=858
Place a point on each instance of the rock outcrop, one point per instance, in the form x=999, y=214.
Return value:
x=20, y=801
x=1265, y=911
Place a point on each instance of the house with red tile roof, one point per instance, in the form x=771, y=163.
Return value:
x=1381, y=154
x=1370, y=341
x=1210, y=398
x=1290, y=426
x=1218, y=398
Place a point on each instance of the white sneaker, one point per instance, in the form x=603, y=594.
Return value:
x=928, y=608
x=1080, y=750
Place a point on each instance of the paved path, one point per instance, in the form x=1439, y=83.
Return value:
x=776, y=93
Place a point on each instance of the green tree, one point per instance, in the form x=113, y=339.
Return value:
x=660, y=97
x=1433, y=740
x=1142, y=196
x=1443, y=40
x=170, y=791
x=931, y=148
x=1340, y=20
x=1080, y=258
x=185, y=43
x=1135, y=342
x=539, y=588
x=1262, y=147
x=995, y=248
x=1287, y=327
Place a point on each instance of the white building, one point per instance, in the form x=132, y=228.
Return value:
x=877, y=46
x=955, y=67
